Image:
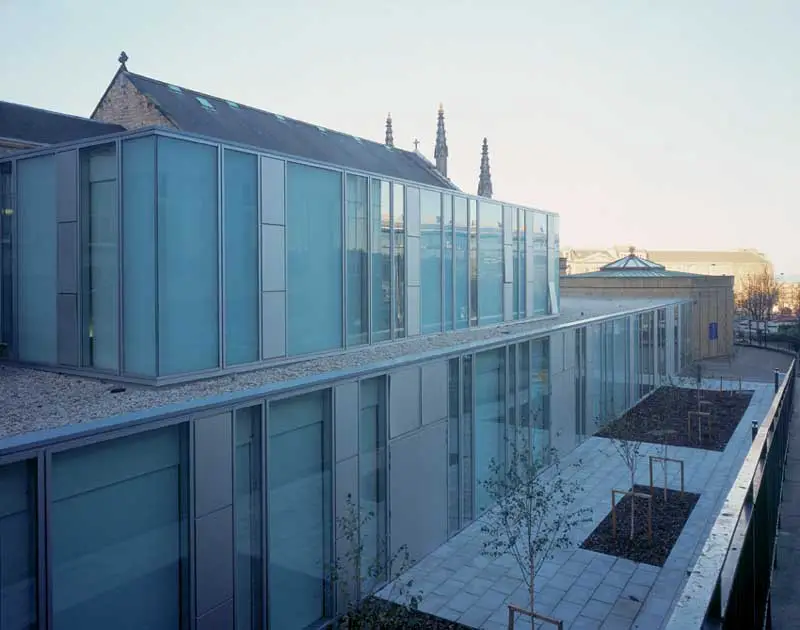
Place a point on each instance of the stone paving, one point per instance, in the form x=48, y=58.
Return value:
x=583, y=588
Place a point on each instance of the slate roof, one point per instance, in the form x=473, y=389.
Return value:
x=215, y=117
x=40, y=126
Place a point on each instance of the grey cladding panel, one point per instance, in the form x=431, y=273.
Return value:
x=214, y=559
x=272, y=191
x=434, y=392
x=404, y=401
x=274, y=324
x=412, y=245
x=67, y=185
x=221, y=618
x=213, y=463
x=273, y=266
x=68, y=335
x=346, y=483
x=346, y=420
x=68, y=257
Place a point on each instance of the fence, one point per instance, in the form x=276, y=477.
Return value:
x=729, y=586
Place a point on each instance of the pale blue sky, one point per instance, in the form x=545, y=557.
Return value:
x=671, y=124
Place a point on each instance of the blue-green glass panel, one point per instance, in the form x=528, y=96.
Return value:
x=490, y=419
x=490, y=263
x=461, y=256
x=380, y=254
x=430, y=261
x=357, y=260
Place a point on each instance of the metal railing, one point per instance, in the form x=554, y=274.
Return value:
x=729, y=586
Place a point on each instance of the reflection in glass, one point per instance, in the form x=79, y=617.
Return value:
x=453, y=450
x=473, y=263
x=490, y=419
x=381, y=244
x=540, y=277
x=100, y=251
x=399, y=240
x=18, y=605
x=448, y=239
x=461, y=255
x=522, y=257
x=430, y=261
x=299, y=510
x=490, y=264
x=357, y=273
x=467, y=419
x=120, y=504
x=247, y=516
x=540, y=396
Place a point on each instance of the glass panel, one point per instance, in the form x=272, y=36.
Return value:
x=522, y=237
x=299, y=510
x=524, y=393
x=399, y=234
x=621, y=334
x=461, y=254
x=473, y=263
x=467, y=475
x=453, y=450
x=515, y=278
x=241, y=258
x=540, y=290
x=120, y=504
x=139, y=256
x=511, y=414
x=6, y=246
x=373, y=478
x=676, y=335
x=37, y=262
x=100, y=251
x=490, y=418
x=662, y=343
x=188, y=296
x=18, y=546
x=540, y=396
x=431, y=261
x=247, y=516
x=357, y=248
x=448, y=261
x=553, y=245
x=490, y=264
x=381, y=289
x=314, y=245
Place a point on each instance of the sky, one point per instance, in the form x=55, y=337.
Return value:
x=666, y=125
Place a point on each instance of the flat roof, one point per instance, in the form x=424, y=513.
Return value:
x=34, y=400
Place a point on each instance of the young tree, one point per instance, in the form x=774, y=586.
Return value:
x=533, y=515
x=758, y=294
x=357, y=579
x=627, y=435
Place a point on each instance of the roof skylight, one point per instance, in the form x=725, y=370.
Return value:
x=175, y=88
x=232, y=105
x=204, y=102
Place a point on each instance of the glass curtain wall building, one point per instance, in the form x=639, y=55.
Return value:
x=159, y=256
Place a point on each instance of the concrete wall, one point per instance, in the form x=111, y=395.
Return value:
x=712, y=295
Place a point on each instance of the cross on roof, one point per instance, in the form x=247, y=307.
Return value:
x=122, y=58
x=416, y=144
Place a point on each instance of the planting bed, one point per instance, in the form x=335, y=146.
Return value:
x=668, y=520
x=415, y=619
x=661, y=417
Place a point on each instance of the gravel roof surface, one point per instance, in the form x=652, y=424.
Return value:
x=36, y=400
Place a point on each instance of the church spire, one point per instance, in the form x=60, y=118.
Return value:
x=389, y=142
x=440, y=151
x=485, y=178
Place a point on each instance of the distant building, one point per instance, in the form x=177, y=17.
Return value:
x=788, y=296
x=737, y=263
x=710, y=314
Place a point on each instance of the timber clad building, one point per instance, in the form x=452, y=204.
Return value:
x=221, y=322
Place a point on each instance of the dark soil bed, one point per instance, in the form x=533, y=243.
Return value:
x=668, y=521
x=662, y=417
x=412, y=619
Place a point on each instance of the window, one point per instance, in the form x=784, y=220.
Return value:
x=540, y=276
x=299, y=510
x=314, y=246
x=37, y=262
x=120, y=504
x=662, y=343
x=461, y=255
x=520, y=271
x=540, y=396
x=516, y=259
x=139, y=256
x=247, y=516
x=399, y=240
x=467, y=436
x=373, y=477
x=6, y=249
x=188, y=294
x=431, y=261
x=553, y=246
x=241, y=258
x=357, y=259
x=447, y=239
x=490, y=264
x=100, y=250
x=473, y=262
x=380, y=252
x=453, y=449
x=18, y=570
x=490, y=419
